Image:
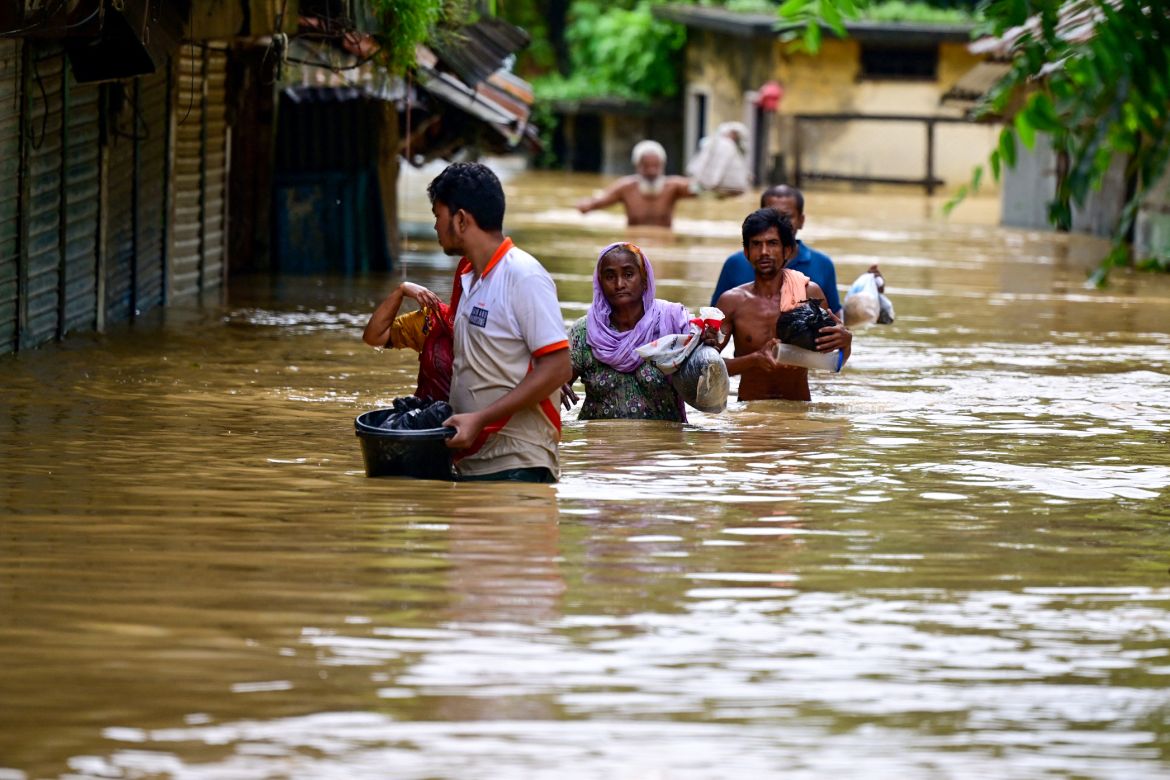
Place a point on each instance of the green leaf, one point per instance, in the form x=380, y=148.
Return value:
x=1042, y=113
x=832, y=17
x=1025, y=129
x=1099, y=279
x=812, y=37
x=795, y=9
x=950, y=205
x=1007, y=147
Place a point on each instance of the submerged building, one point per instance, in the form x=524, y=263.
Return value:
x=149, y=150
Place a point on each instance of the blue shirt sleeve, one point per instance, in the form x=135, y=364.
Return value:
x=829, y=274
x=736, y=271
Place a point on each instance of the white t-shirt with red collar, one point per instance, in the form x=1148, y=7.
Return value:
x=507, y=316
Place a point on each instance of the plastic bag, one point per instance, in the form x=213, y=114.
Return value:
x=801, y=325
x=697, y=372
x=702, y=380
x=721, y=164
x=865, y=304
x=790, y=355
x=670, y=352
x=412, y=413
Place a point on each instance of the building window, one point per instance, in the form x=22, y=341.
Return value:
x=699, y=113
x=917, y=63
x=694, y=123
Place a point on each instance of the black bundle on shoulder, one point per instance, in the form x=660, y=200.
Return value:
x=801, y=325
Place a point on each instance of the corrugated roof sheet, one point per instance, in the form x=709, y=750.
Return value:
x=1077, y=24
x=478, y=50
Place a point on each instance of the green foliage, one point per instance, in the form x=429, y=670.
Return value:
x=903, y=11
x=1100, y=92
x=546, y=122
x=809, y=14
x=406, y=23
x=616, y=52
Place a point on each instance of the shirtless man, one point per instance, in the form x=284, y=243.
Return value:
x=649, y=195
x=751, y=310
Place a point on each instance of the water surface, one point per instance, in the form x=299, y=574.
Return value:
x=951, y=563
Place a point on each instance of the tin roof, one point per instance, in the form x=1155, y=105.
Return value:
x=478, y=50
x=501, y=99
x=1077, y=23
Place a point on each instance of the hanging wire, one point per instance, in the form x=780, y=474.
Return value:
x=32, y=141
x=191, y=96
x=45, y=16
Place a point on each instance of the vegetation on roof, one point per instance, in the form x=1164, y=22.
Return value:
x=917, y=11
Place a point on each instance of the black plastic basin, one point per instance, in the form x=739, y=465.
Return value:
x=418, y=454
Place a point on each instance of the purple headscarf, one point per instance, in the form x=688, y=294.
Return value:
x=616, y=348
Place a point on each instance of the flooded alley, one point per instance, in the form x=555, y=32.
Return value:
x=950, y=564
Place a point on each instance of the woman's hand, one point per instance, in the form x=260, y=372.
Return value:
x=426, y=299
x=569, y=397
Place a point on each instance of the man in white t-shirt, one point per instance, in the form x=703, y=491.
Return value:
x=511, y=352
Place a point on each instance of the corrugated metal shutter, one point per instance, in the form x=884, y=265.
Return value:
x=42, y=245
x=82, y=166
x=150, y=196
x=10, y=102
x=121, y=128
x=186, y=243
x=215, y=162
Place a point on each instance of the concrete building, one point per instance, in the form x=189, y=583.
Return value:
x=866, y=109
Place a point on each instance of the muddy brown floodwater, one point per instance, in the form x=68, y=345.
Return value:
x=951, y=564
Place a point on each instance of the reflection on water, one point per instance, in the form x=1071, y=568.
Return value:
x=950, y=564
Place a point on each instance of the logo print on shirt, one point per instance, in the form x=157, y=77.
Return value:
x=479, y=316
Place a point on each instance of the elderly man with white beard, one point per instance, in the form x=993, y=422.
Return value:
x=649, y=195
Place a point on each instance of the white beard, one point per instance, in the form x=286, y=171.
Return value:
x=651, y=187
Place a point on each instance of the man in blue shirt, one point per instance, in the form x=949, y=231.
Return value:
x=815, y=265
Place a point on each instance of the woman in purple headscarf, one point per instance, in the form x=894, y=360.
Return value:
x=624, y=315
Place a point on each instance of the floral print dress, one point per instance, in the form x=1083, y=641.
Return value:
x=643, y=394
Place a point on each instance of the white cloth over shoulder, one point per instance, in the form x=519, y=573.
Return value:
x=721, y=164
x=696, y=371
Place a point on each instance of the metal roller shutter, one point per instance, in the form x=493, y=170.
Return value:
x=121, y=130
x=42, y=232
x=150, y=194
x=186, y=243
x=10, y=102
x=82, y=180
x=215, y=161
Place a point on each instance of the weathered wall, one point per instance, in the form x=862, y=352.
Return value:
x=621, y=132
x=225, y=19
